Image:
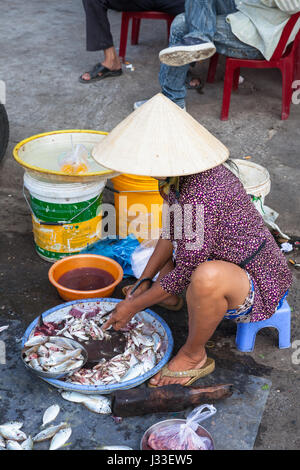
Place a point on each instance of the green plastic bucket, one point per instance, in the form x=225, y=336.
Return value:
x=65, y=216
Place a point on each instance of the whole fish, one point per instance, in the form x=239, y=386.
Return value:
x=2, y=328
x=65, y=366
x=49, y=432
x=50, y=414
x=62, y=342
x=13, y=445
x=60, y=438
x=135, y=371
x=34, y=363
x=13, y=433
x=36, y=340
x=98, y=404
x=75, y=397
x=59, y=358
x=27, y=444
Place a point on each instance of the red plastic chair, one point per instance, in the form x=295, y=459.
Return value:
x=136, y=17
x=288, y=62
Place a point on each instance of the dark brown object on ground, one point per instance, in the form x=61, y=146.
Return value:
x=175, y=397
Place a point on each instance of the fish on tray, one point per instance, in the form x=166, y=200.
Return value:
x=48, y=356
x=124, y=355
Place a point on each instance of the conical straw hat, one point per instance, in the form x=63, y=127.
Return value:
x=160, y=139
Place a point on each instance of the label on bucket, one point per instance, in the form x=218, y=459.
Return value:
x=67, y=238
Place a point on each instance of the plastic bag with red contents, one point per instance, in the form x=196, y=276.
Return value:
x=183, y=436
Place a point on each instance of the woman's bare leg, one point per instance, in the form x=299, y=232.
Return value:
x=215, y=287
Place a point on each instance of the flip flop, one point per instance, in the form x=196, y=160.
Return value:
x=195, y=374
x=173, y=308
x=94, y=73
x=189, y=78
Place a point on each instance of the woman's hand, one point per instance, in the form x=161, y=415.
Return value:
x=120, y=316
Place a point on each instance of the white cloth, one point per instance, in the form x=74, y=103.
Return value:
x=260, y=23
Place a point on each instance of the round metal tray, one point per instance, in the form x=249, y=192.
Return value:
x=60, y=311
x=57, y=375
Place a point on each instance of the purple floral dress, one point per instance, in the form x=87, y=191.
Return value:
x=233, y=231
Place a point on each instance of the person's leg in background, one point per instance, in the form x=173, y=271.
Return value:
x=197, y=44
x=172, y=78
x=99, y=38
x=229, y=45
x=98, y=33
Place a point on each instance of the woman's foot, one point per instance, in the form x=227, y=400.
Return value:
x=181, y=362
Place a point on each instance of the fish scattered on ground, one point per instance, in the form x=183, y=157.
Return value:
x=60, y=438
x=50, y=414
x=13, y=445
x=96, y=403
x=27, y=444
x=3, y=328
x=12, y=438
x=49, y=432
x=12, y=431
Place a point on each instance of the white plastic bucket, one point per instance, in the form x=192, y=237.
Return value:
x=255, y=178
x=65, y=216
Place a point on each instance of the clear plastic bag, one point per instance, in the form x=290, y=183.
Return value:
x=76, y=161
x=183, y=436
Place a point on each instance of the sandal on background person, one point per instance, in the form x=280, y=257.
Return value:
x=188, y=80
x=105, y=73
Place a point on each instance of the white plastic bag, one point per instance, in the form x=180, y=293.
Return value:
x=76, y=161
x=141, y=256
x=269, y=216
x=177, y=436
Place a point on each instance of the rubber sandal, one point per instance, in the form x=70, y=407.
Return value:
x=189, y=78
x=94, y=73
x=173, y=308
x=195, y=374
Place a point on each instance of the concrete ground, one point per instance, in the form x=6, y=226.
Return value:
x=41, y=57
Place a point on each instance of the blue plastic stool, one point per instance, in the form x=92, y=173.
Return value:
x=246, y=332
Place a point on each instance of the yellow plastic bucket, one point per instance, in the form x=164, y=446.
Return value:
x=138, y=206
